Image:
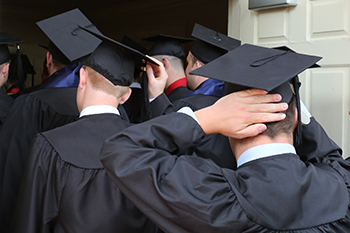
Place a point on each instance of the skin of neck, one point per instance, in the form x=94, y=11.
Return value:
x=173, y=75
x=89, y=96
x=96, y=97
x=239, y=146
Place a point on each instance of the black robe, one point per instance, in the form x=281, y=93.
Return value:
x=5, y=104
x=36, y=112
x=30, y=114
x=134, y=105
x=65, y=188
x=214, y=146
x=280, y=193
x=178, y=93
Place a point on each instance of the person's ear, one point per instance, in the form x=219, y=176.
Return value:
x=82, y=78
x=166, y=63
x=5, y=70
x=295, y=118
x=48, y=59
x=198, y=64
x=125, y=97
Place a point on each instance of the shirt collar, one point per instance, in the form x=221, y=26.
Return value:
x=178, y=83
x=263, y=151
x=99, y=109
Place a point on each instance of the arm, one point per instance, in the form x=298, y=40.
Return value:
x=316, y=144
x=174, y=192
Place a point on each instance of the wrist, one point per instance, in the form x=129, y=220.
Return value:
x=205, y=120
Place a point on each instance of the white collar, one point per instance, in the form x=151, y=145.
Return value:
x=263, y=151
x=99, y=109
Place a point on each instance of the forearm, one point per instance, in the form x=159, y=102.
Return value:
x=172, y=191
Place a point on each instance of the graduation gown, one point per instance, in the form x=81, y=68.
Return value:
x=134, y=105
x=5, y=104
x=214, y=146
x=280, y=193
x=36, y=112
x=65, y=188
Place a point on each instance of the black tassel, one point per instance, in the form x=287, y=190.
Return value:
x=298, y=129
x=146, y=112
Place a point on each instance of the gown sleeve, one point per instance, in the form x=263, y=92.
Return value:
x=40, y=192
x=316, y=144
x=178, y=193
x=161, y=106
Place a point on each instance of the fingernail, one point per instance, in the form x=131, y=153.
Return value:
x=261, y=129
x=277, y=97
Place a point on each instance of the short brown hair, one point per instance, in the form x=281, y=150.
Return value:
x=99, y=82
x=194, y=60
x=285, y=126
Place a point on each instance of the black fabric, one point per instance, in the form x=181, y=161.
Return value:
x=65, y=188
x=6, y=39
x=113, y=62
x=251, y=66
x=214, y=146
x=30, y=114
x=68, y=42
x=5, y=104
x=211, y=44
x=4, y=54
x=315, y=142
x=190, y=194
x=134, y=105
x=178, y=93
x=167, y=45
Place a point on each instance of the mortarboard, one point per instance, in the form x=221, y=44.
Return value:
x=133, y=44
x=167, y=45
x=17, y=69
x=250, y=66
x=211, y=44
x=68, y=42
x=5, y=40
x=27, y=66
x=114, y=60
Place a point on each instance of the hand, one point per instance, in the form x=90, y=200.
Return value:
x=241, y=114
x=157, y=78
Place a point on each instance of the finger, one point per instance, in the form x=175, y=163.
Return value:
x=267, y=108
x=260, y=99
x=250, y=131
x=251, y=92
x=265, y=117
x=153, y=59
x=149, y=71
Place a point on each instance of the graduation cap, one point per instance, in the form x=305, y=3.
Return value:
x=114, y=60
x=5, y=40
x=28, y=68
x=133, y=44
x=68, y=42
x=211, y=44
x=251, y=66
x=167, y=45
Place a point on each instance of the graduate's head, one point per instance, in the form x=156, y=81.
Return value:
x=273, y=70
x=211, y=44
x=208, y=46
x=112, y=62
x=168, y=50
x=68, y=43
x=5, y=56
